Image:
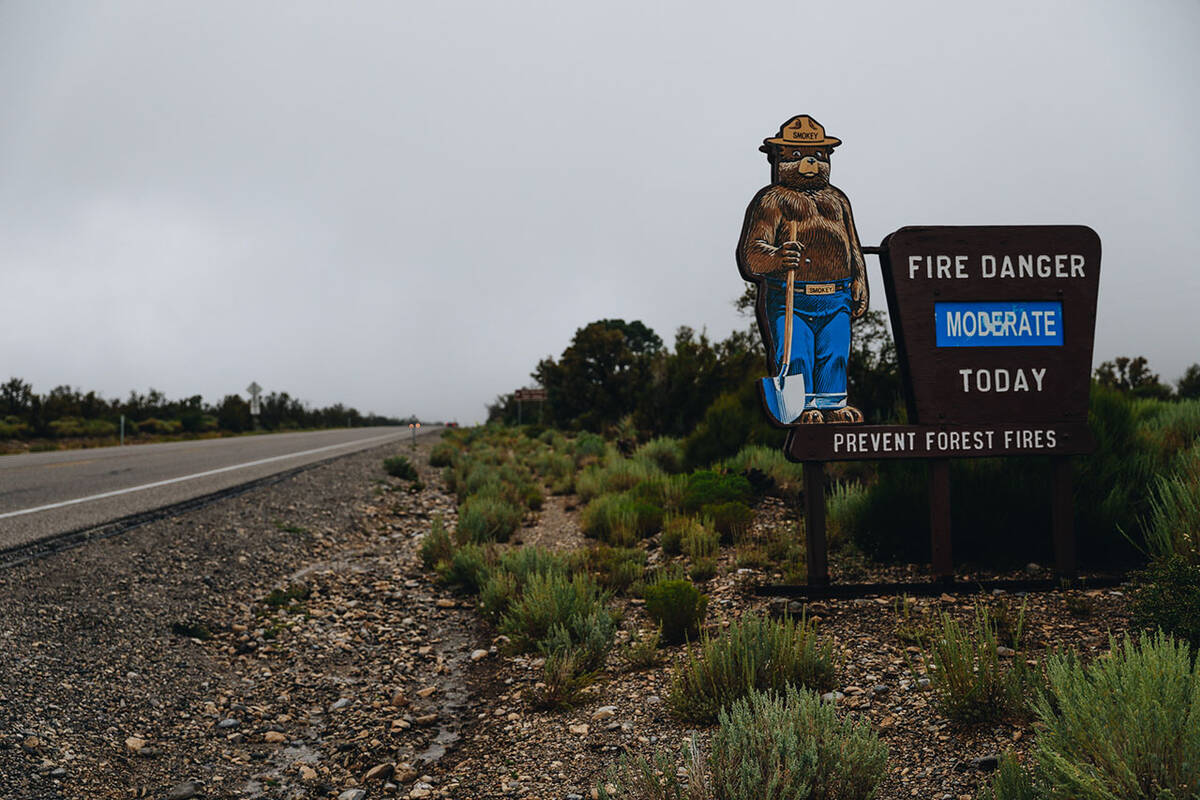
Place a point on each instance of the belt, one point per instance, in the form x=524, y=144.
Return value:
x=811, y=288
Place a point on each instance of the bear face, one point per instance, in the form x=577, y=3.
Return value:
x=801, y=168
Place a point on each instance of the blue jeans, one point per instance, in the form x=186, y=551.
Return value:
x=820, y=339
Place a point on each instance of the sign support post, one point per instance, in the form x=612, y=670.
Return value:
x=939, y=520
x=814, y=523
x=1063, y=517
x=532, y=395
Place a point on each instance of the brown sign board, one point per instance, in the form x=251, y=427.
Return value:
x=521, y=395
x=993, y=324
x=872, y=442
x=994, y=329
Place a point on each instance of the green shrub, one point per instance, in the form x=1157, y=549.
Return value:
x=12, y=427
x=657, y=777
x=616, y=568
x=621, y=475
x=549, y=600
x=497, y=594
x=620, y=519
x=702, y=569
x=700, y=542
x=164, y=427
x=751, y=557
x=525, y=562
x=467, y=569
x=665, y=453
x=678, y=607
x=780, y=746
x=437, y=545
x=99, y=427
x=442, y=455
x=845, y=509
x=967, y=674
x=486, y=519
x=66, y=426
x=675, y=530
x=731, y=520
x=1126, y=726
x=554, y=439
x=734, y=420
x=588, y=638
x=642, y=651
x=589, y=483
x=400, y=467
x=1166, y=596
x=617, y=475
x=554, y=466
x=514, y=570
x=589, y=447
x=755, y=652
x=611, y=518
x=707, y=488
x=1173, y=525
x=1011, y=782
x=563, y=680
x=781, y=475
x=1173, y=427
x=473, y=476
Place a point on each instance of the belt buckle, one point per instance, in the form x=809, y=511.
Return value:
x=820, y=288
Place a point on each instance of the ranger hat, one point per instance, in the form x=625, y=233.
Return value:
x=802, y=130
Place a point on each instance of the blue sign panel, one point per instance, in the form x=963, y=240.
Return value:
x=989, y=324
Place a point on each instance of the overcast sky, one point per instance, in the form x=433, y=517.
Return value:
x=404, y=206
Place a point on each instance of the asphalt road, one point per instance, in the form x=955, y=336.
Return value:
x=44, y=494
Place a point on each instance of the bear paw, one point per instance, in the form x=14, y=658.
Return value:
x=811, y=417
x=845, y=414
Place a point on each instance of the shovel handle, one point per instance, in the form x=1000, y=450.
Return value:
x=790, y=305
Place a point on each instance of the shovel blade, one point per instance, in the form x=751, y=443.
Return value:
x=785, y=397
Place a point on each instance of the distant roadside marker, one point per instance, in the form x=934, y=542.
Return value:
x=254, y=389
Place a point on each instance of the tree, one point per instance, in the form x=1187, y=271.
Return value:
x=1188, y=386
x=1132, y=375
x=234, y=414
x=16, y=398
x=599, y=377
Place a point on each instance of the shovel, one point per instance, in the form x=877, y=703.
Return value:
x=784, y=394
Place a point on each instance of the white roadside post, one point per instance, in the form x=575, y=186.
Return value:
x=122, y=430
x=255, y=407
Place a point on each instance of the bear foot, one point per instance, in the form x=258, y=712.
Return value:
x=811, y=417
x=845, y=414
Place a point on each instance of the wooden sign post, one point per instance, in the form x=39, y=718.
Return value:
x=531, y=395
x=993, y=327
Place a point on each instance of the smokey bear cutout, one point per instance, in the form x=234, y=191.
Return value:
x=800, y=247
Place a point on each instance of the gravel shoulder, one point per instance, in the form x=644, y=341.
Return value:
x=159, y=661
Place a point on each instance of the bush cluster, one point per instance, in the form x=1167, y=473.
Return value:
x=971, y=680
x=400, y=467
x=768, y=746
x=755, y=652
x=1125, y=726
x=678, y=607
x=779, y=746
x=1001, y=512
x=1166, y=597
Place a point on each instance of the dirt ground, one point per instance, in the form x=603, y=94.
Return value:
x=287, y=643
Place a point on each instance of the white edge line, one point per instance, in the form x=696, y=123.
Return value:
x=169, y=481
